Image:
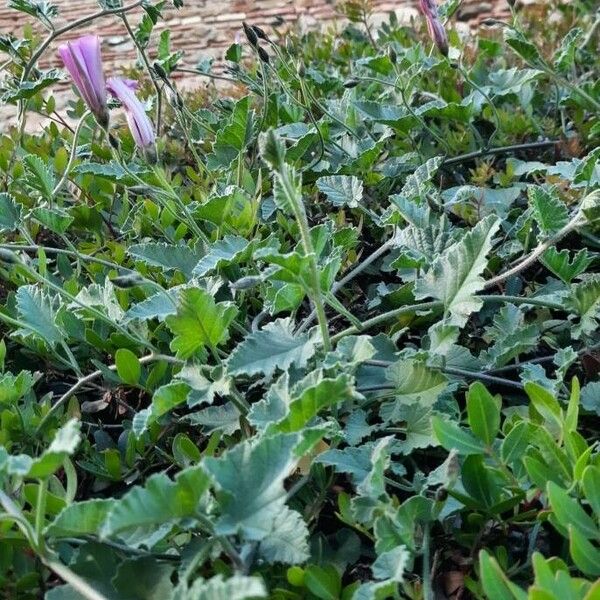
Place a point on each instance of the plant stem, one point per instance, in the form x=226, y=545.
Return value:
x=40, y=512
x=299, y=211
x=577, y=221
x=485, y=95
x=65, y=175
x=88, y=378
x=388, y=316
x=500, y=150
x=351, y=275
x=436, y=305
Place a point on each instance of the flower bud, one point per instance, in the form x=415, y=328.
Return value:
x=351, y=83
x=260, y=33
x=392, y=55
x=158, y=69
x=250, y=34
x=262, y=54
x=113, y=141
x=437, y=33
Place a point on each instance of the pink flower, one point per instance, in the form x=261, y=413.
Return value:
x=83, y=59
x=137, y=119
x=434, y=25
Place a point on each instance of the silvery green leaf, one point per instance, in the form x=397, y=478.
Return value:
x=455, y=276
x=341, y=190
x=273, y=347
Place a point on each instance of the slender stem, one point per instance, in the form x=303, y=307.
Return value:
x=574, y=88
x=40, y=511
x=384, y=364
x=300, y=215
x=485, y=95
x=500, y=150
x=73, y=154
x=577, y=221
x=483, y=377
x=349, y=276
x=431, y=306
x=81, y=382
x=388, y=316
x=97, y=313
x=203, y=74
x=75, y=581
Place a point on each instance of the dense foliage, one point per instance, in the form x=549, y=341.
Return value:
x=332, y=334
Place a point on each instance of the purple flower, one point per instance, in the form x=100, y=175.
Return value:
x=137, y=119
x=83, y=59
x=434, y=25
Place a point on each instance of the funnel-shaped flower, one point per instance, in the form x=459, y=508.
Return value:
x=83, y=59
x=137, y=119
x=434, y=25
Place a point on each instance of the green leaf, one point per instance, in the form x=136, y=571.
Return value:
x=199, y=322
x=584, y=554
x=341, y=190
x=160, y=501
x=414, y=382
x=453, y=437
x=273, y=347
x=561, y=264
x=158, y=306
x=323, y=582
x=564, y=57
x=545, y=403
x=233, y=137
x=39, y=175
x=64, y=444
x=523, y=47
x=229, y=250
x=569, y=512
x=287, y=542
x=37, y=312
x=418, y=183
x=169, y=257
x=28, y=89
x=56, y=219
x=585, y=301
x=354, y=461
x=511, y=335
x=250, y=478
x=80, y=518
x=393, y=115
x=392, y=564
x=549, y=211
x=483, y=411
x=128, y=365
x=324, y=394
x=516, y=442
x=144, y=578
x=591, y=488
x=455, y=277
x=10, y=213
x=495, y=583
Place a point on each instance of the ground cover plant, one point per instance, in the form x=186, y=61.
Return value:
x=325, y=330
